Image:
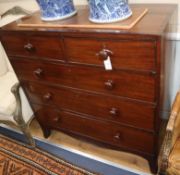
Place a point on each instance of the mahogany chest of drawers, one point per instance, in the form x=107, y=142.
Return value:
x=63, y=75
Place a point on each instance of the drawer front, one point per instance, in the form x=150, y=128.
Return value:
x=122, y=83
x=101, y=131
x=102, y=107
x=33, y=46
x=138, y=55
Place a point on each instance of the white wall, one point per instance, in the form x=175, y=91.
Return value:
x=169, y=87
x=176, y=76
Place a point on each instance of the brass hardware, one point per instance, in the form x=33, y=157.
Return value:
x=109, y=84
x=56, y=119
x=117, y=136
x=114, y=112
x=153, y=72
x=47, y=96
x=29, y=47
x=38, y=73
x=104, y=53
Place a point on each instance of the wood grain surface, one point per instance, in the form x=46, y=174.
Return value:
x=81, y=21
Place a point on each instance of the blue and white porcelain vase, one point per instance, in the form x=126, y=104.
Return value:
x=56, y=9
x=107, y=11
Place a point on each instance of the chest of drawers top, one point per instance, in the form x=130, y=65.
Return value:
x=153, y=23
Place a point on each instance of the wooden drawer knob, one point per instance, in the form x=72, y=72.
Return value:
x=109, y=84
x=104, y=53
x=117, y=136
x=113, y=112
x=47, y=96
x=29, y=47
x=38, y=73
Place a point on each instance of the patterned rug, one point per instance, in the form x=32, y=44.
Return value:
x=19, y=159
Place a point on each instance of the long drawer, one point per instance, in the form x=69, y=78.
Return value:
x=113, y=134
x=139, y=86
x=102, y=107
x=124, y=54
x=48, y=47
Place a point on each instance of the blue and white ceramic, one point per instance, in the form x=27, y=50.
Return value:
x=107, y=11
x=56, y=9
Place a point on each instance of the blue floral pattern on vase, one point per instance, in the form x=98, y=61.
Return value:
x=56, y=9
x=106, y=11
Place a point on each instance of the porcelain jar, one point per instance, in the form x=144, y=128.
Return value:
x=107, y=11
x=56, y=9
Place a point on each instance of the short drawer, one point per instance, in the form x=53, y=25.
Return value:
x=134, y=54
x=106, y=132
x=126, y=112
x=48, y=47
x=139, y=86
